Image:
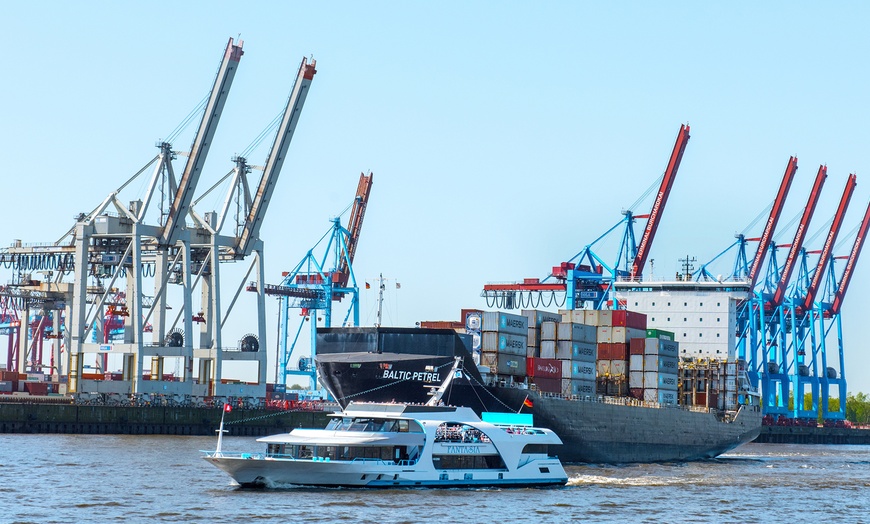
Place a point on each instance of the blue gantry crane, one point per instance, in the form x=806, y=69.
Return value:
x=315, y=283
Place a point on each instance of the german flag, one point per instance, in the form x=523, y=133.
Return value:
x=528, y=403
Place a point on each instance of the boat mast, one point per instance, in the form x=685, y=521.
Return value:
x=438, y=392
x=380, y=297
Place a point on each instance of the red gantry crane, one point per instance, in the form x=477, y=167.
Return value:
x=772, y=220
x=797, y=243
x=850, y=265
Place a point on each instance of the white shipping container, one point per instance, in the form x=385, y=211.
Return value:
x=635, y=362
x=532, y=351
x=605, y=317
x=548, y=330
x=504, y=323
x=567, y=387
x=619, y=335
x=533, y=336
x=657, y=395
x=489, y=359
x=618, y=367
x=592, y=317
x=604, y=335
x=603, y=367
x=566, y=368
x=660, y=363
x=635, y=379
x=564, y=349
x=576, y=316
x=548, y=349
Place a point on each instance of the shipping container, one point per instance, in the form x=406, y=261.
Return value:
x=582, y=351
x=583, y=388
x=660, y=333
x=547, y=385
x=533, y=336
x=618, y=368
x=637, y=346
x=504, y=323
x=635, y=393
x=575, y=332
x=660, y=363
x=511, y=365
x=581, y=370
x=662, y=397
x=6, y=386
x=663, y=381
x=533, y=351
x=605, y=317
x=613, y=351
x=36, y=388
x=548, y=330
x=536, y=317
x=543, y=367
x=657, y=346
x=630, y=319
x=635, y=362
x=504, y=343
x=577, y=316
x=604, y=334
x=471, y=318
x=633, y=333
x=548, y=349
x=592, y=317
x=618, y=335
x=635, y=379
x=489, y=359
x=603, y=367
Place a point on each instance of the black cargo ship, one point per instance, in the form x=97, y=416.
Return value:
x=403, y=364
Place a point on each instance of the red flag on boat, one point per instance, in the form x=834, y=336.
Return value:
x=527, y=403
x=228, y=408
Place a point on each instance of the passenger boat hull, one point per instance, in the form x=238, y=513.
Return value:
x=253, y=471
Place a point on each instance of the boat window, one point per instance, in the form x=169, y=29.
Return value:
x=535, y=448
x=468, y=462
x=458, y=432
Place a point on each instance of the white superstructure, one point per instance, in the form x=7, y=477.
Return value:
x=702, y=315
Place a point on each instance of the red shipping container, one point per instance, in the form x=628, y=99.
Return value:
x=636, y=393
x=618, y=318
x=36, y=388
x=543, y=368
x=635, y=320
x=548, y=385
x=612, y=351
x=637, y=346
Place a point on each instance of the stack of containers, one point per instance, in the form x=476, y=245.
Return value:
x=575, y=348
x=535, y=319
x=549, y=329
x=503, y=343
x=544, y=373
x=614, y=330
x=9, y=381
x=654, y=368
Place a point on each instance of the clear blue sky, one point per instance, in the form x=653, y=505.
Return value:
x=503, y=136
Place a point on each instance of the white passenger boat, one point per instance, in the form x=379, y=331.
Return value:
x=403, y=445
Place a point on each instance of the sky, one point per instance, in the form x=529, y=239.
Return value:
x=503, y=136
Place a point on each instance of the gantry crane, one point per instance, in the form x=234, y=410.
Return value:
x=315, y=283
x=587, y=277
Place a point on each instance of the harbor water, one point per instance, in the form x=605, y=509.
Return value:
x=118, y=478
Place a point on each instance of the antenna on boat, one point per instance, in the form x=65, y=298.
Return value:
x=438, y=392
x=220, y=431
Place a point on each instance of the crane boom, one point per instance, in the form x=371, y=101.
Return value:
x=295, y=102
x=660, y=201
x=201, y=143
x=363, y=190
x=799, y=236
x=850, y=263
x=773, y=219
x=829, y=242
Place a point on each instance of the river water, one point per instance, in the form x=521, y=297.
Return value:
x=118, y=478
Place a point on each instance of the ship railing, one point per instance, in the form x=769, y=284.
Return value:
x=623, y=401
